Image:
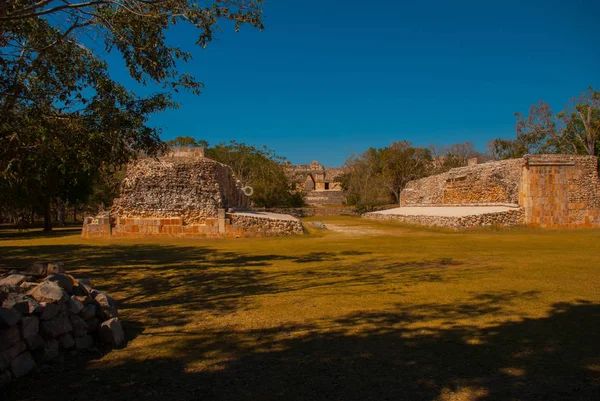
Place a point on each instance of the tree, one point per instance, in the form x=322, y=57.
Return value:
x=62, y=117
x=260, y=168
x=574, y=130
x=401, y=163
x=580, y=122
x=445, y=158
x=362, y=182
x=186, y=141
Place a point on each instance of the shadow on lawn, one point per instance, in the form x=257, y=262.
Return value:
x=363, y=356
x=10, y=233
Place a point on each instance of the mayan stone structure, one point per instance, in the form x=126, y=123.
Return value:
x=320, y=184
x=184, y=194
x=537, y=190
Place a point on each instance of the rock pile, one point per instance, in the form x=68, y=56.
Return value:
x=46, y=312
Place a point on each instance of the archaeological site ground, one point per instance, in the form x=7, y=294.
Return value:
x=365, y=310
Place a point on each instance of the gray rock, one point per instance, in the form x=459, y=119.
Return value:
x=27, y=286
x=108, y=306
x=54, y=268
x=34, y=342
x=74, y=305
x=88, y=312
x=85, y=342
x=85, y=282
x=50, y=351
x=22, y=365
x=22, y=303
x=8, y=318
x=92, y=324
x=12, y=281
x=319, y=224
x=29, y=326
x=7, y=356
x=65, y=281
x=66, y=341
x=111, y=332
x=80, y=290
x=57, y=326
x=37, y=269
x=5, y=378
x=9, y=337
x=50, y=310
x=49, y=291
x=80, y=327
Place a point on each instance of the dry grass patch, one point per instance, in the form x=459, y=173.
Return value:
x=399, y=313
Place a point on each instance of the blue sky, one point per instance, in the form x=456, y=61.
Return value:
x=327, y=78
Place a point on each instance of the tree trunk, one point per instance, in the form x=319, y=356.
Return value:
x=47, y=218
x=74, y=214
x=60, y=212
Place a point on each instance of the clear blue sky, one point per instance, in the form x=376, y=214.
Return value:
x=329, y=78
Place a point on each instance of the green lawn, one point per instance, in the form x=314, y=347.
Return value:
x=381, y=311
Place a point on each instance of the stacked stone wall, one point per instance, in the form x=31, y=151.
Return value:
x=250, y=226
x=45, y=312
x=193, y=189
x=508, y=218
x=488, y=183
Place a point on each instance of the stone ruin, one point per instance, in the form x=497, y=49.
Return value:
x=320, y=185
x=184, y=194
x=538, y=190
x=46, y=313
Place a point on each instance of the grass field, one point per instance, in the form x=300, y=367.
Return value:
x=370, y=311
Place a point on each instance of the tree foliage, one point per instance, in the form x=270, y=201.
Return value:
x=377, y=176
x=62, y=117
x=574, y=130
x=260, y=168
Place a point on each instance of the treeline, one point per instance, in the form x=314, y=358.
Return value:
x=377, y=176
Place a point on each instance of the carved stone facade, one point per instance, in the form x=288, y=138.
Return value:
x=320, y=184
x=184, y=194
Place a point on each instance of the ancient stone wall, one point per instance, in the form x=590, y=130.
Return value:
x=561, y=191
x=248, y=225
x=488, y=183
x=192, y=189
x=44, y=313
x=507, y=218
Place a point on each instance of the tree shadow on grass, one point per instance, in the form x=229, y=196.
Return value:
x=9, y=233
x=362, y=356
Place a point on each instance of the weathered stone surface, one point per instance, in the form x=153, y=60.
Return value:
x=49, y=291
x=111, y=332
x=22, y=365
x=29, y=326
x=57, y=326
x=80, y=290
x=27, y=286
x=74, y=305
x=8, y=318
x=49, y=310
x=80, y=327
x=13, y=281
x=37, y=269
x=85, y=342
x=50, y=351
x=86, y=282
x=5, y=378
x=7, y=356
x=107, y=306
x=88, y=312
x=21, y=303
x=66, y=341
x=34, y=342
x=56, y=267
x=65, y=281
x=9, y=337
x=92, y=324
